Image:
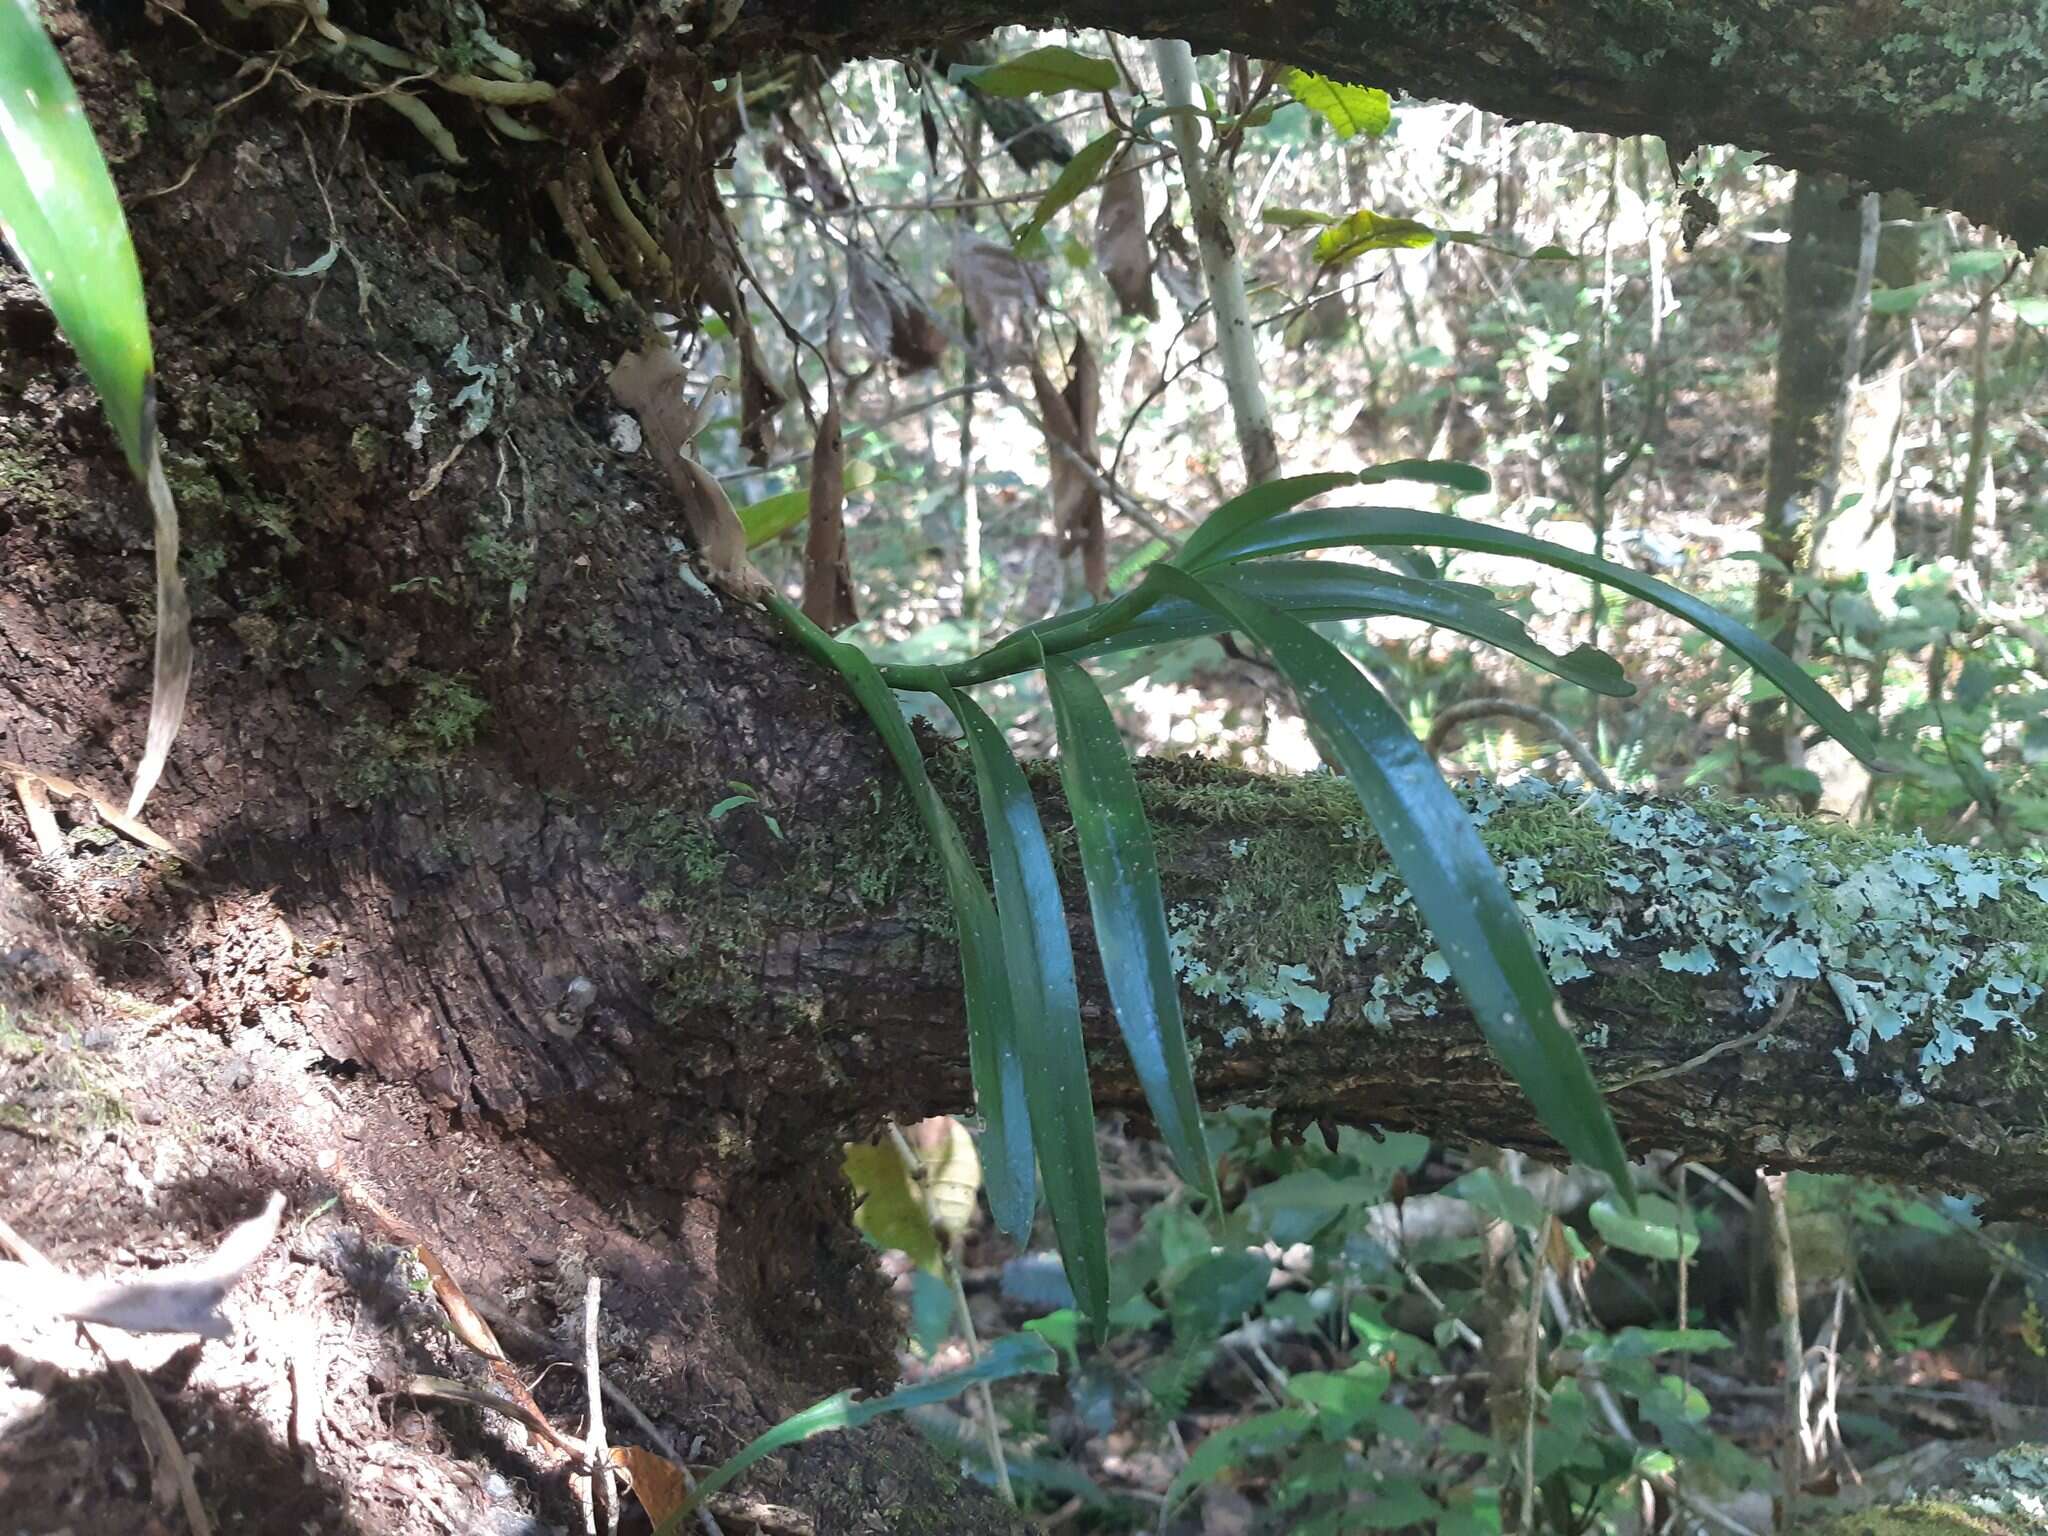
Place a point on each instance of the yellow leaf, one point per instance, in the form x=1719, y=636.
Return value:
x=1357, y=233
x=952, y=1172
x=891, y=1212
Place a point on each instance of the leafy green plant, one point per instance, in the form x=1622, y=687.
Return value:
x=1025, y=1046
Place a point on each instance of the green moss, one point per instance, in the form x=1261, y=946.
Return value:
x=670, y=850
x=443, y=722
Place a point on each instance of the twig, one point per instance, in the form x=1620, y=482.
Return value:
x=1448, y=720
x=1797, y=1448
x=604, y=1486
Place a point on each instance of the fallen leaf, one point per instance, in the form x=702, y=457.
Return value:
x=658, y=1483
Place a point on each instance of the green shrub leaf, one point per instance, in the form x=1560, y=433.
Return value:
x=1042, y=72
x=1349, y=109
x=1437, y=852
x=992, y=1053
x=1075, y=177
x=1122, y=872
x=1371, y=527
x=1033, y=922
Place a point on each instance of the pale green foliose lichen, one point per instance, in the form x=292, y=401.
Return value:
x=1908, y=937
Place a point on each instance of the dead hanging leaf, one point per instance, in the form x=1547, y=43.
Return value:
x=658, y=1483
x=1070, y=415
x=1002, y=293
x=1121, y=248
x=759, y=398
x=1179, y=268
x=892, y=319
x=828, y=582
x=185, y=1298
x=891, y=1210
x=650, y=384
x=811, y=170
x=952, y=1172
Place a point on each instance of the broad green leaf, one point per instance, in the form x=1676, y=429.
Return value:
x=63, y=219
x=1488, y=1193
x=1042, y=72
x=890, y=1210
x=1217, y=1292
x=1977, y=263
x=1033, y=922
x=1900, y=301
x=1654, y=1229
x=1297, y=218
x=1349, y=109
x=1015, y=1354
x=773, y=516
x=1316, y=591
x=1374, y=527
x=992, y=1054
x=1456, y=888
x=1075, y=177
x=1363, y=231
x=1122, y=872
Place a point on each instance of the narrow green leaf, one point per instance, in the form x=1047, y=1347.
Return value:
x=1033, y=921
x=992, y=1051
x=1122, y=872
x=1248, y=509
x=1041, y=72
x=1233, y=519
x=1317, y=591
x=1437, y=851
x=1014, y=1354
x=1465, y=479
x=1075, y=177
x=1371, y=527
x=1349, y=109
x=1363, y=231
x=773, y=516
x=63, y=218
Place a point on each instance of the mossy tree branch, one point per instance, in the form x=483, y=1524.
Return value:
x=1941, y=99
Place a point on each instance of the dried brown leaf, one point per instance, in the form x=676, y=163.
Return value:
x=658, y=1483
x=649, y=383
x=1122, y=249
x=1002, y=293
x=1070, y=413
x=892, y=320
x=828, y=582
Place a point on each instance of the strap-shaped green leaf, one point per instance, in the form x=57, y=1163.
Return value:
x=1316, y=591
x=1122, y=872
x=1014, y=1354
x=1232, y=520
x=1249, y=508
x=64, y=221
x=1033, y=921
x=1437, y=852
x=1368, y=527
x=992, y=1054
